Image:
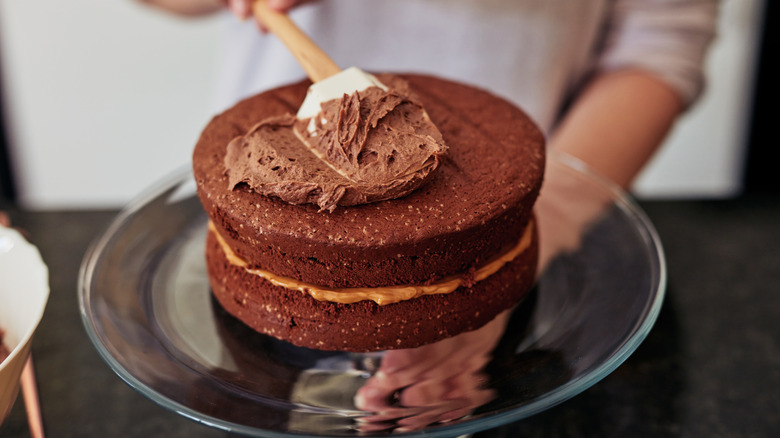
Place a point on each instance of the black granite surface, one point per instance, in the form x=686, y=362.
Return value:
x=709, y=368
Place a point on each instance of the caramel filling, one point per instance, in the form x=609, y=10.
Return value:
x=380, y=295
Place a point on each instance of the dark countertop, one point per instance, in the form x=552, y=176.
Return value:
x=709, y=368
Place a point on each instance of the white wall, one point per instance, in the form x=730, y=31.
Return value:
x=105, y=97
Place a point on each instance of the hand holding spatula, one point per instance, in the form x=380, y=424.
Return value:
x=329, y=80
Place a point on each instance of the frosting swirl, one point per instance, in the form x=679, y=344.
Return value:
x=369, y=146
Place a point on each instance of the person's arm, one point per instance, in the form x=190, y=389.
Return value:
x=648, y=70
x=617, y=122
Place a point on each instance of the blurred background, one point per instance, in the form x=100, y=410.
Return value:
x=102, y=99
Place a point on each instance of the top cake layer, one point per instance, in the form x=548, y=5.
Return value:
x=477, y=202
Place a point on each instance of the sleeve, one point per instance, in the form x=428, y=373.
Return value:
x=668, y=38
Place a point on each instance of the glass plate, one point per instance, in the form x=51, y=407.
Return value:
x=146, y=305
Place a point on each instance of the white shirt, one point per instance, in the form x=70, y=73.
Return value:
x=534, y=52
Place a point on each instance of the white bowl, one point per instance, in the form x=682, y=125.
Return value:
x=24, y=290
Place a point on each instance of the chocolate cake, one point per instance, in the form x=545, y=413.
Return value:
x=443, y=258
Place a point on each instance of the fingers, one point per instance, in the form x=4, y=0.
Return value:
x=242, y=9
x=431, y=400
x=283, y=5
x=374, y=396
x=434, y=383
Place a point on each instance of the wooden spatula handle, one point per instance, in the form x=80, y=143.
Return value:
x=315, y=62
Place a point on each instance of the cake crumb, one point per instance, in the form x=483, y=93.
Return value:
x=469, y=278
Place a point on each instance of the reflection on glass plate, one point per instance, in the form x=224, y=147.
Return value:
x=146, y=305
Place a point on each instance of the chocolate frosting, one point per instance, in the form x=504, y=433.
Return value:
x=370, y=146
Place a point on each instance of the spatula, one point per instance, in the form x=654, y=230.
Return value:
x=329, y=80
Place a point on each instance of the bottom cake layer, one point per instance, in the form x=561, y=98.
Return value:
x=365, y=326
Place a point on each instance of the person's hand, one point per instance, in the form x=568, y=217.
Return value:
x=435, y=383
x=566, y=209
x=242, y=9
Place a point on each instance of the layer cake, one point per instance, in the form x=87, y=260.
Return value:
x=397, y=273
